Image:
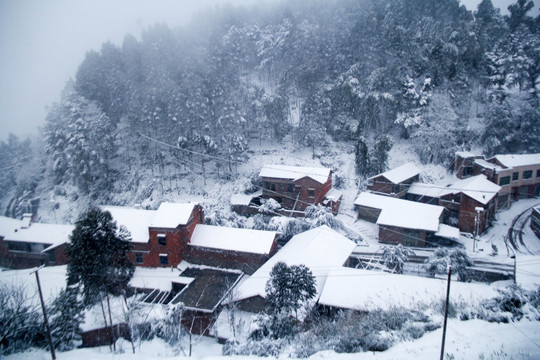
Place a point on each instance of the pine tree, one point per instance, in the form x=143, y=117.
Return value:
x=66, y=316
x=289, y=288
x=98, y=254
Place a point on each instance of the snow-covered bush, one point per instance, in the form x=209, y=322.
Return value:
x=321, y=215
x=21, y=325
x=394, y=257
x=438, y=263
x=269, y=206
x=512, y=304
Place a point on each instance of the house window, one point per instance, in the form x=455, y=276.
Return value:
x=273, y=187
x=267, y=185
x=504, y=180
x=162, y=239
x=281, y=187
x=527, y=174
x=163, y=259
x=538, y=173
x=291, y=187
x=311, y=192
x=515, y=176
x=468, y=171
x=139, y=258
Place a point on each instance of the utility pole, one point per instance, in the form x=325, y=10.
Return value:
x=446, y=310
x=48, y=330
x=478, y=210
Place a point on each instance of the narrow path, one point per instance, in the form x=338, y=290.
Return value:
x=514, y=237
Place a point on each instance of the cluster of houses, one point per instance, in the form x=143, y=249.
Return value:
x=413, y=213
x=216, y=266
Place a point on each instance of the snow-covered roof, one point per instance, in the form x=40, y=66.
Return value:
x=37, y=233
x=234, y=239
x=418, y=216
x=477, y=187
x=170, y=215
x=513, y=160
x=295, y=172
x=430, y=190
x=223, y=326
x=465, y=154
x=402, y=213
x=241, y=199
x=448, y=232
x=135, y=220
x=366, y=290
x=487, y=165
x=8, y=225
x=157, y=278
x=401, y=173
x=319, y=249
x=333, y=194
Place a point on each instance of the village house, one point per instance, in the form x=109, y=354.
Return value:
x=231, y=248
x=394, y=182
x=405, y=222
x=159, y=238
x=345, y=289
x=175, y=232
x=319, y=249
x=471, y=202
x=203, y=296
x=295, y=187
x=26, y=244
x=517, y=175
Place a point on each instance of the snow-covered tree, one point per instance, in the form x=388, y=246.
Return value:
x=66, y=316
x=438, y=263
x=289, y=289
x=98, y=254
x=395, y=257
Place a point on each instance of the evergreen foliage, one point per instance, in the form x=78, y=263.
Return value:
x=289, y=289
x=65, y=317
x=98, y=252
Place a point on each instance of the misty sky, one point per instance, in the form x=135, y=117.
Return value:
x=42, y=42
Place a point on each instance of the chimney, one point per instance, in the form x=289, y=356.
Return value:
x=26, y=220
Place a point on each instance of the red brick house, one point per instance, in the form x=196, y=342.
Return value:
x=296, y=187
x=394, y=182
x=468, y=201
x=517, y=175
x=159, y=238
x=26, y=244
x=231, y=248
x=405, y=222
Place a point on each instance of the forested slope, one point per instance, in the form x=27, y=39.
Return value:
x=194, y=98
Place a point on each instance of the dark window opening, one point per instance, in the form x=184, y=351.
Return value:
x=163, y=260
x=162, y=239
x=291, y=188
x=311, y=192
x=515, y=176
x=139, y=258
x=468, y=171
x=527, y=174
x=504, y=180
